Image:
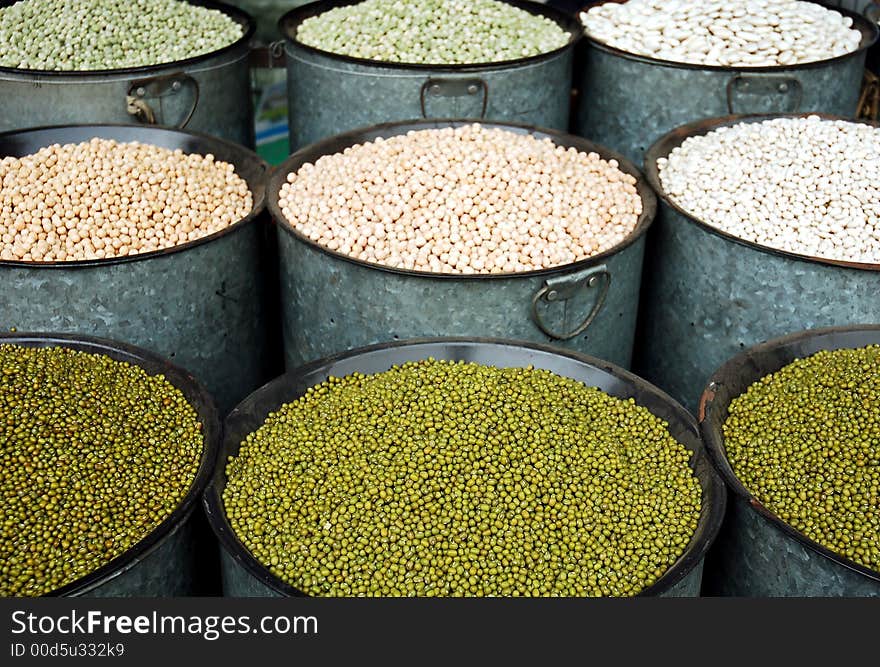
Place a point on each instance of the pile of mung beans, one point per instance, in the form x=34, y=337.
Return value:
x=61, y=35
x=441, y=478
x=94, y=455
x=805, y=441
x=463, y=200
x=432, y=32
x=102, y=199
x=804, y=185
x=729, y=33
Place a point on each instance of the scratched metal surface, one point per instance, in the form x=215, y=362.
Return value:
x=202, y=308
x=753, y=558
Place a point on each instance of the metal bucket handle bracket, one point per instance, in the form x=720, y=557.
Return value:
x=787, y=89
x=453, y=88
x=563, y=288
x=156, y=87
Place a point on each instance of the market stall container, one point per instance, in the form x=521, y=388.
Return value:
x=245, y=576
x=210, y=93
x=628, y=101
x=331, y=302
x=202, y=304
x=757, y=553
x=169, y=561
x=330, y=93
x=712, y=294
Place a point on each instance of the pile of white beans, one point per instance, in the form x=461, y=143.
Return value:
x=803, y=185
x=728, y=33
x=463, y=200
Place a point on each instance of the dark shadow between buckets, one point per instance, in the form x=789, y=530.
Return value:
x=757, y=553
x=167, y=562
x=245, y=576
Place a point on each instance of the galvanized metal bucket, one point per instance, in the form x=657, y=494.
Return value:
x=331, y=303
x=627, y=102
x=330, y=93
x=244, y=576
x=209, y=93
x=758, y=554
x=170, y=560
x=709, y=294
x=201, y=304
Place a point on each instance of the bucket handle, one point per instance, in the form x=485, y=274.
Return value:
x=563, y=288
x=786, y=88
x=156, y=87
x=454, y=88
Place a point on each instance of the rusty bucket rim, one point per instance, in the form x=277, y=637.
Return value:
x=196, y=396
x=714, y=501
x=290, y=21
x=869, y=30
x=673, y=139
x=336, y=143
x=238, y=15
x=713, y=440
x=94, y=130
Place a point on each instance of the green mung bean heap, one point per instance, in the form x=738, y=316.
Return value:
x=61, y=35
x=805, y=441
x=94, y=454
x=439, y=478
x=432, y=32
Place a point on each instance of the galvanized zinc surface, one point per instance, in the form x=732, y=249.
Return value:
x=707, y=298
x=329, y=95
x=216, y=90
x=627, y=102
x=202, y=308
x=166, y=571
x=753, y=558
x=330, y=305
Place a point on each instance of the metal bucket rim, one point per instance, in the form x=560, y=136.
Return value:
x=258, y=194
x=336, y=143
x=197, y=397
x=665, y=144
x=238, y=15
x=293, y=18
x=869, y=30
x=714, y=508
x=713, y=440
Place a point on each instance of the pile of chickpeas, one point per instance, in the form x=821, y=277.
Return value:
x=463, y=200
x=102, y=199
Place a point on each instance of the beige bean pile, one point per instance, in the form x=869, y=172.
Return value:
x=729, y=33
x=463, y=200
x=803, y=185
x=104, y=199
